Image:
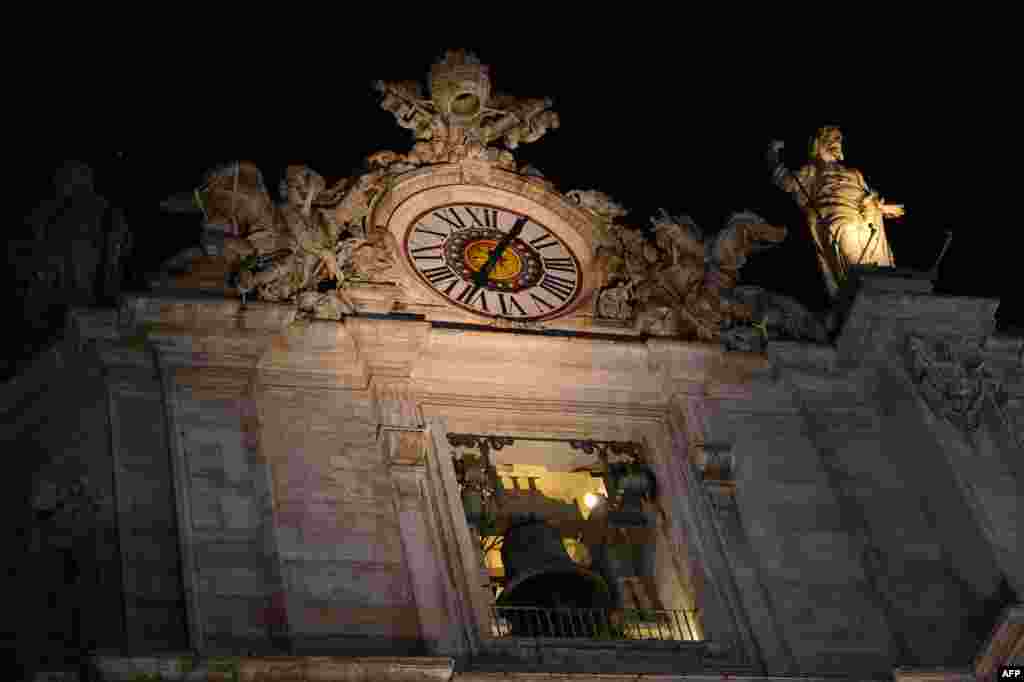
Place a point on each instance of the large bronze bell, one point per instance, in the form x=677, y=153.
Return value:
x=541, y=574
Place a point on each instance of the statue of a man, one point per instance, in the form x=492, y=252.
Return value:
x=845, y=216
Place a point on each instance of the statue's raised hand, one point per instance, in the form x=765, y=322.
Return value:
x=774, y=155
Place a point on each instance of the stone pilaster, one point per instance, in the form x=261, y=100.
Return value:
x=741, y=610
x=405, y=456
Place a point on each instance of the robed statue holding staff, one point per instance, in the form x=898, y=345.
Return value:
x=845, y=216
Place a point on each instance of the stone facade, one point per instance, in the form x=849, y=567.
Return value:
x=263, y=487
x=283, y=488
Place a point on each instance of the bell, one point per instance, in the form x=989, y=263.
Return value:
x=541, y=574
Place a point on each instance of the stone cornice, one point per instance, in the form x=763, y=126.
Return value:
x=877, y=321
x=216, y=332
x=443, y=365
x=932, y=675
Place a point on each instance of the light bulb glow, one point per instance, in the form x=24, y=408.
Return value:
x=590, y=499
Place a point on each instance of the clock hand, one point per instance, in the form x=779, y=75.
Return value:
x=484, y=273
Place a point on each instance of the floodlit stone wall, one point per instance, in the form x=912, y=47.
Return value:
x=827, y=508
x=337, y=531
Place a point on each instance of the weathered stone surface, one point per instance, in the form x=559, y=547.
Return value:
x=855, y=537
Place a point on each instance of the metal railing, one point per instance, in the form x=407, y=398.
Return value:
x=593, y=623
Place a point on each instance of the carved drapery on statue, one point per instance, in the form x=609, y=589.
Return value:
x=952, y=379
x=844, y=215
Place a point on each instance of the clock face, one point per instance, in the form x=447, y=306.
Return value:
x=534, y=274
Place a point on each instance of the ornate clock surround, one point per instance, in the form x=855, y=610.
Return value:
x=422, y=190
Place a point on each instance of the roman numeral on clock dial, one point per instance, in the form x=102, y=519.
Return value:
x=422, y=230
x=513, y=302
x=556, y=286
x=560, y=264
x=441, y=273
x=538, y=301
x=455, y=220
x=467, y=293
x=427, y=252
x=482, y=216
x=543, y=242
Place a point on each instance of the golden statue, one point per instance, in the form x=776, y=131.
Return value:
x=845, y=216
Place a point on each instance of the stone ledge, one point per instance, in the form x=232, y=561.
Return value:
x=284, y=668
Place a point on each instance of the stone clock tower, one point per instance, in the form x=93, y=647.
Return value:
x=445, y=420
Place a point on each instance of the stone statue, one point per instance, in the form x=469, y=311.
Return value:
x=845, y=216
x=284, y=252
x=77, y=250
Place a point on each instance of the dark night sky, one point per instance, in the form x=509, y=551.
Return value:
x=651, y=129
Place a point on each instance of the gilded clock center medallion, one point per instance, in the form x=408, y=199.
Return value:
x=467, y=252
x=477, y=254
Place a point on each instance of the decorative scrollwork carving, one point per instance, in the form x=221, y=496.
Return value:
x=461, y=118
x=482, y=443
x=611, y=452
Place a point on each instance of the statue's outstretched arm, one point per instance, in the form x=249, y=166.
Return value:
x=888, y=210
x=892, y=210
x=798, y=184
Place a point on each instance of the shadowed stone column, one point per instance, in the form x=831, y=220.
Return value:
x=407, y=465
x=716, y=466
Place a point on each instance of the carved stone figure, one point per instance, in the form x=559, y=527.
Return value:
x=283, y=252
x=681, y=283
x=616, y=302
x=314, y=235
x=952, y=379
x=348, y=208
x=325, y=306
x=598, y=203
x=234, y=199
x=845, y=216
x=693, y=276
x=376, y=255
x=77, y=249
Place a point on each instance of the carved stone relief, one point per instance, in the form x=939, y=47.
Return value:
x=669, y=280
x=674, y=281
x=953, y=379
x=314, y=244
